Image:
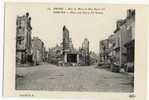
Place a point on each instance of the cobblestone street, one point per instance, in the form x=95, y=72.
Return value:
x=59, y=78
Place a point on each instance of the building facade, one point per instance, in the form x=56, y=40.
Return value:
x=104, y=47
x=55, y=54
x=130, y=44
x=38, y=55
x=93, y=58
x=119, y=47
x=125, y=38
x=85, y=54
x=23, y=39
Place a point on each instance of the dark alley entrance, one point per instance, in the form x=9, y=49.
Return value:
x=72, y=58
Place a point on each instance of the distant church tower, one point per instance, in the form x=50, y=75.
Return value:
x=68, y=55
x=65, y=39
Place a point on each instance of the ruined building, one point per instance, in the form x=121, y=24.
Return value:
x=38, y=51
x=119, y=47
x=85, y=55
x=23, y=39
x=70, y=55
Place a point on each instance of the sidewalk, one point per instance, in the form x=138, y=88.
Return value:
x=23, y=65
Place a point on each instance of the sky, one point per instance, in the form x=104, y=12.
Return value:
x=48, y=26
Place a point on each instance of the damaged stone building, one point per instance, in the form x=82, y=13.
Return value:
x=119, y=47
x=70, y=55
x=23, y=39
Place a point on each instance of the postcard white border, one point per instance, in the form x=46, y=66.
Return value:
x=140, y=64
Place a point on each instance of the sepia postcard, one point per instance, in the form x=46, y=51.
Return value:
x=78, y=51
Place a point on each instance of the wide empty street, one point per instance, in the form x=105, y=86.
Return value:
x=71, y=78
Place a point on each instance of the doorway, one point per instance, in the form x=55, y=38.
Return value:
x=72, y=58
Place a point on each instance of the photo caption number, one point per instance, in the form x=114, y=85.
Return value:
x=27, y=95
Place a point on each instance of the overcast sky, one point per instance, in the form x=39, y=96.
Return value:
x=48, y=26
